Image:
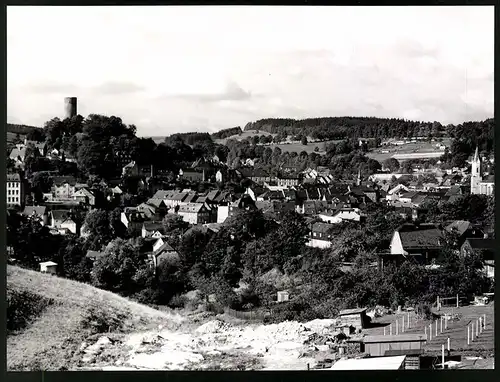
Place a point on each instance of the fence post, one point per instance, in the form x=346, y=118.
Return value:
x=430, y=332
x=442, y=355
x=457, y=300
x=468, y=335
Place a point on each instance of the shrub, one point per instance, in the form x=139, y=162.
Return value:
x=22, y=308
x=178, y=301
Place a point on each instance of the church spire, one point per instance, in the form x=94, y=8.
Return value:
x=476, y=155
x=358, y=179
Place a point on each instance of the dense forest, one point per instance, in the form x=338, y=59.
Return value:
x=221, y=134
x=348, y=127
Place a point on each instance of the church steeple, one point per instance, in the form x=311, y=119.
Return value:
x=475, y=173
x=358, y=179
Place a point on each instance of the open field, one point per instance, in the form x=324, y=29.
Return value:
x=55, y=315
x=483, y=346
x=244, y=135
x=412, y=150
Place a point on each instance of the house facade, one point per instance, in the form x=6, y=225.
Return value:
x=320, y=236
x=194, y=213
x=15, y=190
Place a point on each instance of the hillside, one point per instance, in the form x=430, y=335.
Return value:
x=347, y=127
x=49, y=318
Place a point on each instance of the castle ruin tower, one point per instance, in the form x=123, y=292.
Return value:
x=69, y=107
x=475, y=178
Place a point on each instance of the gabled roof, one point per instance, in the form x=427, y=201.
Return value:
x=423, y=236
x=346, y=312
x=83, y=192
x=60, y=215
x=190, y=198
x=321, y=227
x=164, y=248
x=155, y=202
x=460, y=225
x=213, y=194
x=48, y=263
x=153, y=226
x=191, y=207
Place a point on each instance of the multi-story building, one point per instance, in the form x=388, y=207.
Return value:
x=15, y=190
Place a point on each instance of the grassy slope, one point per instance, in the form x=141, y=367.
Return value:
x=52, y=338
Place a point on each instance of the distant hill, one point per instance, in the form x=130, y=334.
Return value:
x=225, y=133
x=49, y=317
x=347, y=127
x=20, y=129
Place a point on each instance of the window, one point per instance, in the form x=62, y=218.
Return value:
x=8, y=199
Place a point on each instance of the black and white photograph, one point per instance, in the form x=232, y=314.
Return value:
x=246, y=188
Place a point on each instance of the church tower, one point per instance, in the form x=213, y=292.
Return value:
x=475, y=178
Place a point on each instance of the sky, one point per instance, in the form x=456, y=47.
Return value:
x=178, y=69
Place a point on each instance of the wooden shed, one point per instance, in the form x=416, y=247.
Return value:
x=354, y=317
x=48, y=267
x=379, y=346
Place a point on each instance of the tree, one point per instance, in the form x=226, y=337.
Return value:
x=303, y=140
x=392, y=164
x=97, y=225
x=116, y=270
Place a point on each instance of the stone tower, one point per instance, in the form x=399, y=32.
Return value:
x=70, y=107
x=475, y=178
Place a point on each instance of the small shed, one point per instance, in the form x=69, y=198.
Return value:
x=378, y=363
x=283, y=296
x=379, y=346
x=354, y=317
x=48, y=267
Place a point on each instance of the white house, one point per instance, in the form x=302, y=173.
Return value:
x=48, y=267
x=222, y=213
x=351, y=214
x=396, y=192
